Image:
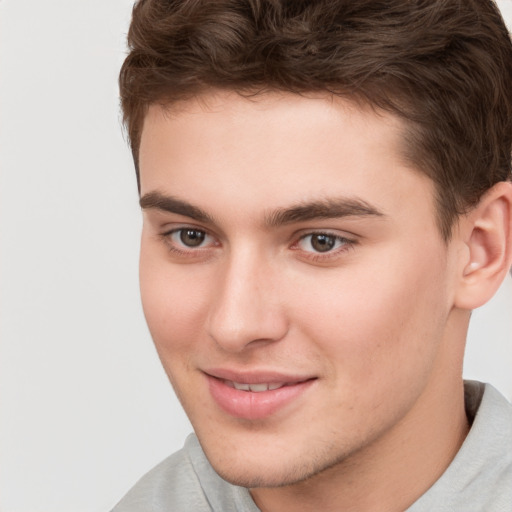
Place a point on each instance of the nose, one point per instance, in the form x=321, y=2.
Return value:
x=248, y=310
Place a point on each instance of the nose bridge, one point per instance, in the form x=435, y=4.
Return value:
x=248, y=307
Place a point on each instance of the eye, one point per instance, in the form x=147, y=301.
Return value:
x=189, y=237
x=322, y=242
x=188, y=244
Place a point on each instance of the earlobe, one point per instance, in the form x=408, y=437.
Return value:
x=487, y=232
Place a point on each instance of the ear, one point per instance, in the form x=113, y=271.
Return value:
x=487, y=235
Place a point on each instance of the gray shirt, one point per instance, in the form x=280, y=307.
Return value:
x=479, y=479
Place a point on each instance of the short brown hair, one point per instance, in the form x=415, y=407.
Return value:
x=445, y=66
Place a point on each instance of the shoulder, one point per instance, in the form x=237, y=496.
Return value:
x=171, y=485
x=183, y=482
x=480, y=476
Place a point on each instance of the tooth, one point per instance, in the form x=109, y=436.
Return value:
x=241, y=387
x=258, y=387
x=255, y=388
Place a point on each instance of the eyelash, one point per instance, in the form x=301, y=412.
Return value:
x=346, y=244
x=184, y=252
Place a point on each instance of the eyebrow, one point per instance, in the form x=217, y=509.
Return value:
x=158, y=201
x=322, y=209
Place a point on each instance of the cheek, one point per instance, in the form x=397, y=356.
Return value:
x=173, y=300
x=377, y=325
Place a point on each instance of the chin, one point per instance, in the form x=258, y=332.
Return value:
x=271, y=470
x=253, y=478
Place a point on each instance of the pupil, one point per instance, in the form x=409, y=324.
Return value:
x=322, y=243
x=192, y=237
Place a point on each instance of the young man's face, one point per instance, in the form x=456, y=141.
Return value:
x=294, y=280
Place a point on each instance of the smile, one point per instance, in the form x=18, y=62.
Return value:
x=255, y=388
x=256, y=398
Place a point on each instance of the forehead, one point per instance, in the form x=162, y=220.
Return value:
x=223, y=149
x=269, y=113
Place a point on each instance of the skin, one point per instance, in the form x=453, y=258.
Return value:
x=373, y=321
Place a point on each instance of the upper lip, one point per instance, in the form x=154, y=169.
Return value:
x=256, y=376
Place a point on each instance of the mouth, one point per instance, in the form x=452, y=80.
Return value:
x=256, y=396
x=257, y=388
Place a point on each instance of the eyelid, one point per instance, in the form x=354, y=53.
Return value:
x=172, y=227
x=183, y=250
x=348, y=243
x=336, y=238
x=344, y=235
x=176, y=234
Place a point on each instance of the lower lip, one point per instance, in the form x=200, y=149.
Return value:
x=250, y=405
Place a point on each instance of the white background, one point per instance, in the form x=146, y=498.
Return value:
x=85, y=406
